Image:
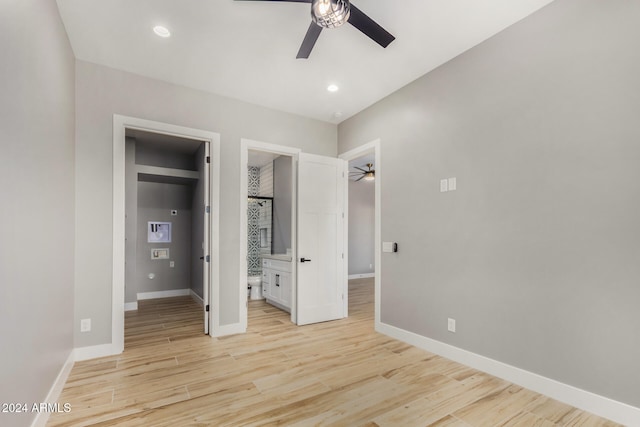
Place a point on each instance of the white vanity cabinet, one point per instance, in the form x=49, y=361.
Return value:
x=276, y=280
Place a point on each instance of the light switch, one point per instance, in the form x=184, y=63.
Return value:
x=452, y=184
x=444, y=185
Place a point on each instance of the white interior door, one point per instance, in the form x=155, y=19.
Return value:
x=320, y=250
x=205, y=239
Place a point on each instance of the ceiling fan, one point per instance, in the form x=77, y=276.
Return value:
x=367, y=175
x=332, y=14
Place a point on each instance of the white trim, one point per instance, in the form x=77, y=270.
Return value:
x=95, y=351
x=120, y=124
x=362, y=276
x=585, y=400
x=196, y=298
x=245, y=146
x=232, y=329
x=131, y=306
x=368, y=148
x=164, y=294
x=55, y=390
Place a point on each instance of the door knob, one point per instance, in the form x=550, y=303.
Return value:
x=304, y=260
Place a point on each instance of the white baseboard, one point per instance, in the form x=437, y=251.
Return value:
x=95, y=351
x=130, y=306
x=599, y=405
x=232, y=329
x=196, y=298
x=361, y=276
x=164, y=294
x=54, y=393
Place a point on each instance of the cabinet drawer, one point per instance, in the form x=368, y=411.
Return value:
x=276, y=264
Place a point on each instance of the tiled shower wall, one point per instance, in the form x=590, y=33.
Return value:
x=260, y=184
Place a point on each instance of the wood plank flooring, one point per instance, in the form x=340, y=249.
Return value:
x=338, y=373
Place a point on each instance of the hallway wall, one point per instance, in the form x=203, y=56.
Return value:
x=103, y=92
x=37, y=191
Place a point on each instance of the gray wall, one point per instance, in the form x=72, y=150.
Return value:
x=361, y=227
x=102, y=92
x=36, y=220
x=536, y=254
x=282, y=188
x=155, y=202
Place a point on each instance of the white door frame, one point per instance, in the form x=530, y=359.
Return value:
x=372, y=147
x=120, y=124
x=245, y=146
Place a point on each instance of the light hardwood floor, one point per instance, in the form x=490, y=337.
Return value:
x=339, y=373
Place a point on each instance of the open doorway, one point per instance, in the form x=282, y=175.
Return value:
x=166, y=229
x=364, y=230
x=361, y=223
x=268, y=229
x=316, y=280
x=211, y=289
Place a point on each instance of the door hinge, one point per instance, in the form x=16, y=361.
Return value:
x=342, y=215
x=207, y=307
x=343, y=255
x=208, y=159
x=207, y=258
x=207, y=209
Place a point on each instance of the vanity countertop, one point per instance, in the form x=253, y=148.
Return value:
x=280, y=257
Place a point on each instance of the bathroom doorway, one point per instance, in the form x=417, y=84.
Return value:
x=268, y=218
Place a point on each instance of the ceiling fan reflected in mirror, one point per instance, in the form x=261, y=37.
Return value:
x=333, y=14
x=367, y=175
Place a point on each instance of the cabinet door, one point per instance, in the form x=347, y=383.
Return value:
x=265, y=283
x=285, y=289
x=274, y=285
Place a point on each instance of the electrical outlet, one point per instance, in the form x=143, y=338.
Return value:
x=172, y=264
x=370, y=266
x=85, y=325
x=451, y=325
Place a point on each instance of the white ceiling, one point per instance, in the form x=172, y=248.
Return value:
x=247, y=49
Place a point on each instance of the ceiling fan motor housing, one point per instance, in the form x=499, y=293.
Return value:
x=330, y=13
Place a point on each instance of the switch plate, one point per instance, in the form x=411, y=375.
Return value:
x=452, y=184
x=85, y=325
x=172, y=264
x=451, y=325
x=389, y=247
x=444, y=185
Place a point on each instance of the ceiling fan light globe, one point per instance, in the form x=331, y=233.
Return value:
x=369, y=176
x=330, y=13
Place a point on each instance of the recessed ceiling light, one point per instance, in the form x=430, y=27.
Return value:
x=332, y=88
x=161, y=31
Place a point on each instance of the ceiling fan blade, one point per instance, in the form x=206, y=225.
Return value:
x=360, y=169
x=309, y=41
x=369, y=27
x=362, y=177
